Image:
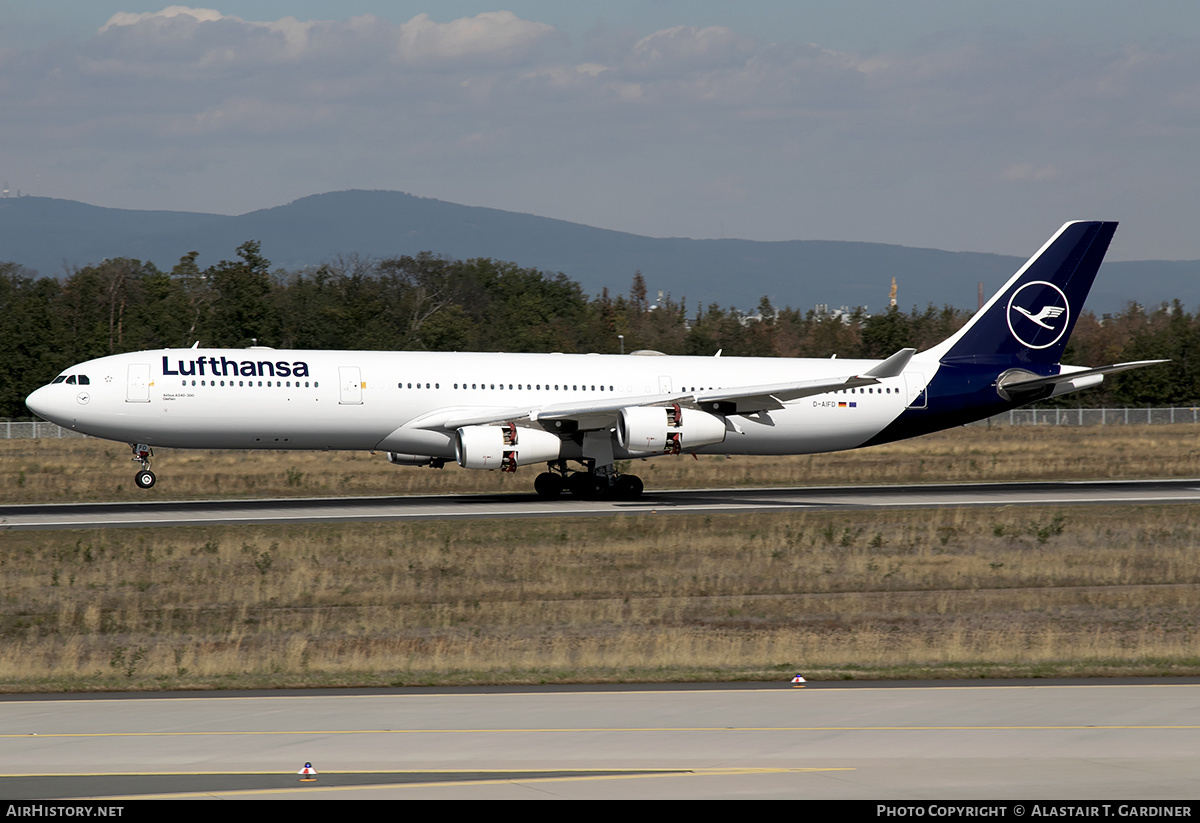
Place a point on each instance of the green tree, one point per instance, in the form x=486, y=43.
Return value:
x=242, y=310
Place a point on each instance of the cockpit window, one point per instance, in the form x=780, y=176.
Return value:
x=58, y=379
x=71, y=380
x=83, y=380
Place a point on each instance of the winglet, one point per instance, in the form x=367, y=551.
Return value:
x=893, y=366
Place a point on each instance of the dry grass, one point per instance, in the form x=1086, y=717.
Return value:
x=87, y=470
x=954, y=593
x=984, y=592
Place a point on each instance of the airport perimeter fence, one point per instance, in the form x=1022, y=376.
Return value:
x=32, y=429
x=1094, y=417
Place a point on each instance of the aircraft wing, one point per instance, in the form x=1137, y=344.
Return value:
x=750, y=399
x=597, y=413
x=591, y=414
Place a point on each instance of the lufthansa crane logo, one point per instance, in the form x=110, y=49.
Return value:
x=1038, y=314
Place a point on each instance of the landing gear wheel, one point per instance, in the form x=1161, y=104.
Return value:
x=144, y=479
x=548, y=485
x=583, y=485
x=628, y=487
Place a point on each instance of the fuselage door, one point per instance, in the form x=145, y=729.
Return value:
x=918, y=392
x=664, y=384
x=138, y=389
x=351, y=382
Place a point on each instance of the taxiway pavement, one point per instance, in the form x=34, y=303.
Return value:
x=906, y=742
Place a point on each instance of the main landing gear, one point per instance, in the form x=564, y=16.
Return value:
x=141, y=454
x=593, y=483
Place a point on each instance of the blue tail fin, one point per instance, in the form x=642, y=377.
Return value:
x=1030, y=319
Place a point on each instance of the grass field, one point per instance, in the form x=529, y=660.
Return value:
x=92, y=470
x=925, y=593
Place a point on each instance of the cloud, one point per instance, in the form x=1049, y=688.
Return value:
x=491, y=34
x=124, y=18
x=637, y=125
x=207, y=40
x=689, y=46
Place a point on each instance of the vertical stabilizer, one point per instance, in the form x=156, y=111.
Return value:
x=1030, y=319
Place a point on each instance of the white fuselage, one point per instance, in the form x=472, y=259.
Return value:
x=280, y=399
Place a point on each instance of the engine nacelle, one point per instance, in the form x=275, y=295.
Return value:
x=670, y=430
x=504, y=447
x=401, y=459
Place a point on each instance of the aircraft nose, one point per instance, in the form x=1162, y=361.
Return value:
x=49, y=403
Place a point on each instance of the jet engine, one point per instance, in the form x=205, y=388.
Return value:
x=504, y=447
x=401, y=459
x=669, y=430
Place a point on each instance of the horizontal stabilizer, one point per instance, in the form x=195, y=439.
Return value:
x=1022, y=385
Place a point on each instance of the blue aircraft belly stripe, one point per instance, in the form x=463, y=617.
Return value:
x=958, y=394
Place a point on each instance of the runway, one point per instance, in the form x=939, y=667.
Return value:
x=708, y=501
x=900, y=742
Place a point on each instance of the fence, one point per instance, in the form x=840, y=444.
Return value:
x=1093, y=417
x=31, y=429
x=26, y=429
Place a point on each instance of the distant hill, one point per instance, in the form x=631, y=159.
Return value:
x=55, y=236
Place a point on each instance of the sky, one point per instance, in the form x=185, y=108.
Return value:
x=968, y=126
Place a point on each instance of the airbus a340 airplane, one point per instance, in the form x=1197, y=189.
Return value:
x=502, y=411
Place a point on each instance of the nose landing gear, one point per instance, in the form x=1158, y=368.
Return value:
x=142, y=454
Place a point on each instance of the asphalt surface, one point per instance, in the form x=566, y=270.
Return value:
x=348, y=509
x=1025, y=740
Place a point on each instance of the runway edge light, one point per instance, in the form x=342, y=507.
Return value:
x=308, y=774
x=798, y=681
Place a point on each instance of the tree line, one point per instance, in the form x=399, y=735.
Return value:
x=431, y=303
